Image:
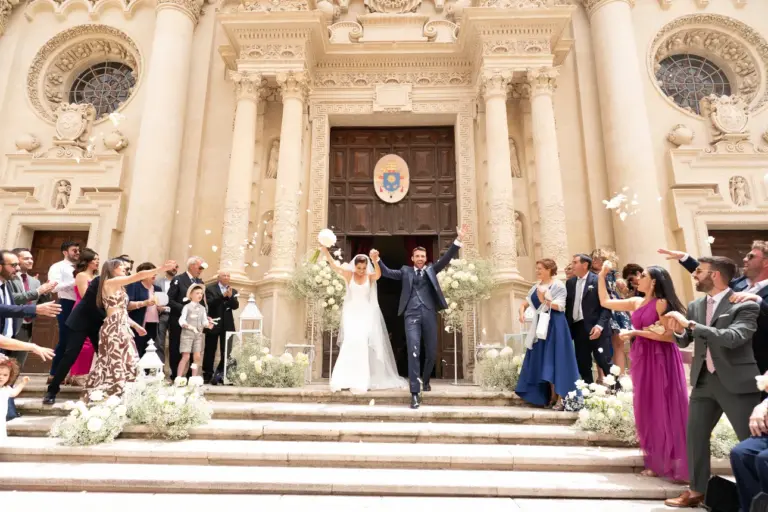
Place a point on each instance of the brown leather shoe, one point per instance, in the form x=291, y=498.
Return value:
x=685, y=500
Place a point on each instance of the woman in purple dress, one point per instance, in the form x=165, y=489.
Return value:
x=658, y=377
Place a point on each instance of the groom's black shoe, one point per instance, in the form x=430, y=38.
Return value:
x=427, y=387
x=415, y=402
x=49, y=399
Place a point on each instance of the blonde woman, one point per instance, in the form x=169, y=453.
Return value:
x=619, y=319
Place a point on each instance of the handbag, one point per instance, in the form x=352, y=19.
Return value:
x=542, y=326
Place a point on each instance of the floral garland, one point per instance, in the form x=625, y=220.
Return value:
x=255, y=367
x=464, y=283
x=323, y=289
x=500, y=370
x=101, y=420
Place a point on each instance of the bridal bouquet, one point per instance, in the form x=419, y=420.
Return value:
x=169, y=411
x=255, y=367
x=606, y=410
x=463, y=283
x=99, y=421
x=500, y=370
x=322, y=288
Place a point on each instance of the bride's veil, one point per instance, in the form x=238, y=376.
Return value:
x=382, y=359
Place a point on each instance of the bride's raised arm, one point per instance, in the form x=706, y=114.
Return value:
x=335, y=265
x=376, y=268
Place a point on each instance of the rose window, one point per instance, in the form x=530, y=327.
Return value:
x=106, y=86
x=687, y=79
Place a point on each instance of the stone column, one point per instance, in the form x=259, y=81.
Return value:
x=151, y=201
x=293, y=86
x=240, y=179
x=629, y=148
x=549, y=182
x=501, y=212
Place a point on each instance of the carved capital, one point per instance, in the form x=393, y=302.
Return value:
x=6, y=6
x=294, y=84
x=192, y=8
x=593, y=5
x=494, y=83
x=541, y=81
x=247, y=85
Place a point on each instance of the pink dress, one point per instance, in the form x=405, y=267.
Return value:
x=83, y=362
x=660, y=399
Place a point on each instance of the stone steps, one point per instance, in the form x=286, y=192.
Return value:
x=369, y=432
x=327, y=454
x=283, y=411
x=161, y=478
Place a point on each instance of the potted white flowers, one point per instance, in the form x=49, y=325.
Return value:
x=99, y=421
x=256, y=367
x=499, y=369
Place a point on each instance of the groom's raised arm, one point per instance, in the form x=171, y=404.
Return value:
x=446, y=258
x=387, y=272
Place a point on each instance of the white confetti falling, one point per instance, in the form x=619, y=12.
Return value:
x=116, y=118
x=207, y=231
x=255, y=264
x=415, y=354
x=337, y=253
x=658, y=199
x=483, y=331
x=308, y=211
x=177, y=212
x=372, y=402
x=190, y=246
x=710, y=240
x=600, y=350
x=214, y=248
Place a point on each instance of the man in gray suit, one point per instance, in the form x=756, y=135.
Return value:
x=26, y=290
x=723, y=369
x=164, y=283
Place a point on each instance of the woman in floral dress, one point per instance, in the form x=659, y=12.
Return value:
x=117, y=360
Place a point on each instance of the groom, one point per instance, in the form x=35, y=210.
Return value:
x=420, y=298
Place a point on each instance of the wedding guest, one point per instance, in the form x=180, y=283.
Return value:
x=619, y=319
x=658, y=375
x=193, y=321
x=117, y=359
x=749, y=458
x=86, y=269
x=222, y=301
x=723, y=370
x=176, y=295
x=63, y=272
x=9, y=370
x=164, y=282
x=588, y=321
x=630, y=275
x=144, y=311
x=549, y=369
x=26, y=290
x=568, y=271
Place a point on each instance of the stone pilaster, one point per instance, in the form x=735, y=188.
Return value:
x=240, y=179
x=155, y=177
x=501, y=211
x=629, y=148
x=540, y=86
x=294, y=88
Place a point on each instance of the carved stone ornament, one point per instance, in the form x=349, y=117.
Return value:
x=514, y=159
x=680, y=135
x=366, y=79
x=73, y=124
x=293, y=84
x=62, y=192
x=392, y=6
x=542, y=80
x=247, y=85
x=274, y=154
x=593, y=5
x=525, y=4
x=495, y=83
x=192, y=8
x=27, y=142
x=6, y=6
x=520, y=246
x=516, y=47
x=52, y=67
x=115, y=141
x=274, y=52
x=721, y=39
x=275, y=5
x=729, y=116
x=739, y=189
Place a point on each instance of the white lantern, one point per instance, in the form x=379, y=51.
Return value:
x=150, y=365
x=251, y=318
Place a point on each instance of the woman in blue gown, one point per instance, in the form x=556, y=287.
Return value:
x=549, y=369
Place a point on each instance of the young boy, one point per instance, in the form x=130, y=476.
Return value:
x=194, y=318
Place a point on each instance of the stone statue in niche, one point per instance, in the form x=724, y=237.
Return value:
x=63, y=191
x=274, y=153
x=739, y=190
x=269, y=226
x=522, y=250
x=514, y=159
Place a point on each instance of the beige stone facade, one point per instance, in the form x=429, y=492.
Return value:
x=221, y=146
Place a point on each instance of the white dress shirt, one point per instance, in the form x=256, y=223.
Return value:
x=755, y=288
x=7, y=328
x=63, y=273
x=578, y=314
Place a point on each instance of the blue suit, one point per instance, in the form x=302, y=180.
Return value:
x=420, y=298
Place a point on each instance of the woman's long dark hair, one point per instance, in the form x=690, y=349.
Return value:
x=87, y=255
x=664, y=288
x=107, y=272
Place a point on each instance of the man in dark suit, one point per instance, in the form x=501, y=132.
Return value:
x=420, y=299
x=751, y=286
x=177, y=296
x=139, y=303
x=589, y=322
x=222, y=301
x=723, y=369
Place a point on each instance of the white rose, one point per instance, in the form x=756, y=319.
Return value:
x=454, y=305
x=113, y=401
x=762, y=382
x=455, y=285
x=580, y=384
x=506, y=351
x=329, y=290
x=243, y=376
x=326, y=237
x=451, y=271
x=517, y=360
x=611, y=414
x=252, y=359
x=492, y=354
x=609, y=380
x=473, y=279
x=464, y=276
x=625, y=383
x=331, y=301
x=324, y=304
x=286, y=358
x=268, y=357
x=600, y=417
x=571, y=394
x=120, y=410
x=316, y=268
x=196, y=381
x=584, y=415
x=265, y=351
x=335, y=307
x=448, y=281
x=326, y=283
x=94, y=424
x=97, y=395
x=318, y=279
x=70, y=405
x=585, y=392
x=337, y=287
x=463, y=261
x=615, y=370
x=471, y=266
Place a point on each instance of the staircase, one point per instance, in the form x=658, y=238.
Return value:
x=463, y=443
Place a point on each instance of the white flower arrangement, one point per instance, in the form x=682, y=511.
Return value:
x=499, y=370
x=101, y=420
x=723, y=439
x=255, y=367
x=606, y=410
x=464, y=282
x=322, y=288
x=169, y=411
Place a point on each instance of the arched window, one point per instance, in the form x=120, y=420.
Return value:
x=687, y=79
x=105, y=85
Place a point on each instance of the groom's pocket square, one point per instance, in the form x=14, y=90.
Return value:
x=725, y=315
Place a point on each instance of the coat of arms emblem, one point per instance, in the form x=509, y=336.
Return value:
x=391, y=178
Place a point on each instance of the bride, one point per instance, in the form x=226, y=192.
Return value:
x=365, y=360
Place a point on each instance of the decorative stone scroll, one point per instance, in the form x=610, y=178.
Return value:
x=73, y=124
x=392, y=6
x=192, y=8
x=6, y=6
x=274, y=5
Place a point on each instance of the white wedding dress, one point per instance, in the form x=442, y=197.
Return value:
x=366, y=360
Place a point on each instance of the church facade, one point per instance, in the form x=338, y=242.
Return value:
x=237, y=130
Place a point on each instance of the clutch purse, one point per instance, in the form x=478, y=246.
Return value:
x=656, y=328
